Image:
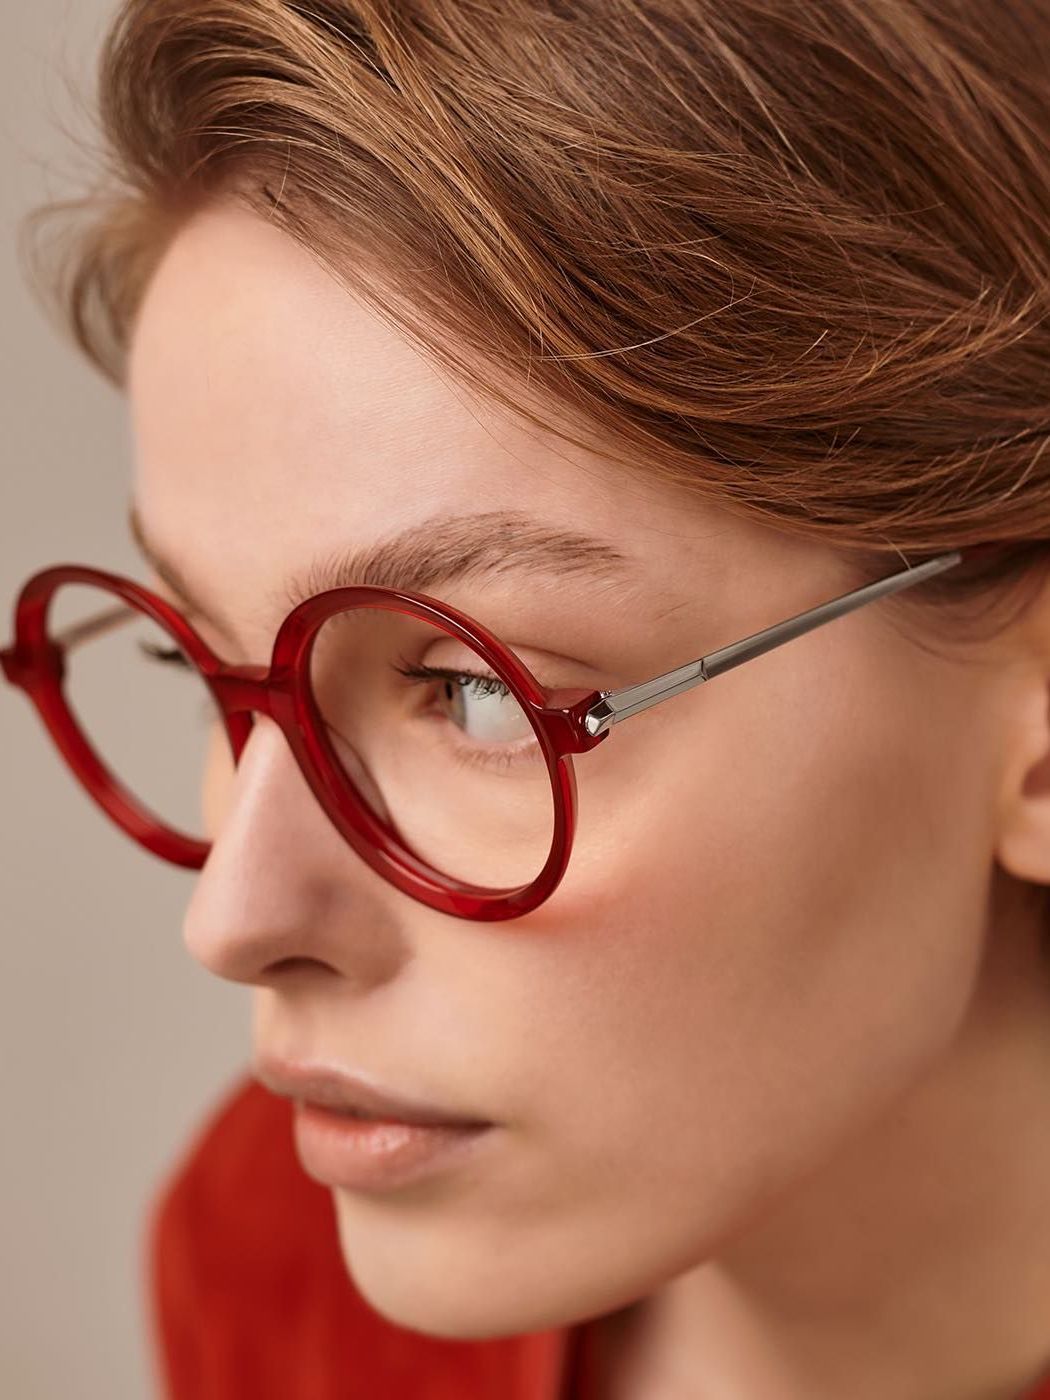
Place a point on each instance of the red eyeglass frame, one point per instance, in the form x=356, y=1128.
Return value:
x=36, y=663
x=566, y=722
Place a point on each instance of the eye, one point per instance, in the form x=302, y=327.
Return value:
x=170, y=656
x=483, y=709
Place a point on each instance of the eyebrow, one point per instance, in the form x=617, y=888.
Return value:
x=444, y=550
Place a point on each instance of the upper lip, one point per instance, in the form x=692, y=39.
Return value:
x=334, y=1087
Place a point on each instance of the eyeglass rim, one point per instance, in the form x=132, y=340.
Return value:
x=566, y=722
x=282, y=691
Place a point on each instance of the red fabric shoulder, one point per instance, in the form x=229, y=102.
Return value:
x=250, y=1298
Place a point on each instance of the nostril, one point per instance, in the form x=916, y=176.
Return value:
x=286, y=965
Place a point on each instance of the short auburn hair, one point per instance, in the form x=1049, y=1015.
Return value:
x=793, y=254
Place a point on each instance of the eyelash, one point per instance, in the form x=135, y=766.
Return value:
x=504, y=758
x=483, y=685
x=171, y=656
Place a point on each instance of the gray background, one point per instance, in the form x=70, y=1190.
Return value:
x=113, y=1042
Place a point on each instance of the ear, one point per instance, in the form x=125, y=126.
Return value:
x=1023, y=815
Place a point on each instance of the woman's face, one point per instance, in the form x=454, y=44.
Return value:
x=771, y=924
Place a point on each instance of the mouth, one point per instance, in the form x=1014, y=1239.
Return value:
x=346, y=1148
x=355, y=1096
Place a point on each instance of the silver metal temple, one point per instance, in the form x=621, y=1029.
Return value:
x=617, y=705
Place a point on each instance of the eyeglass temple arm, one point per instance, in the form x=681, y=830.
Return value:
x=617, y=705
x=69, y=637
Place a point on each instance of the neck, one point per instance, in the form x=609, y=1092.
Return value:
x=915, y=1262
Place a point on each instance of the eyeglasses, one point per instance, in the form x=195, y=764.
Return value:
x=478, y=825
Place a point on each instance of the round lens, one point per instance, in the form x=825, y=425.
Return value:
x=141, y=704
x=436, y=744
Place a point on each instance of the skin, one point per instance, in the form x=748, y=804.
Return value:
x=787, y=1117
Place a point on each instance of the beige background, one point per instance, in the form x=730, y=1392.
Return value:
x=112, y=1041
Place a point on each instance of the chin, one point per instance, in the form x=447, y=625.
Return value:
x=416, y=1278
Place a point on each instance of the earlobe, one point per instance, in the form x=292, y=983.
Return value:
x=1023, y=826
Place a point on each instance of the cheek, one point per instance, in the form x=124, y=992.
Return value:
x=769, y=929
x=775, y=941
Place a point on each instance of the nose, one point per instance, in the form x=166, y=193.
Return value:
x=281, y=883
x=249, y=688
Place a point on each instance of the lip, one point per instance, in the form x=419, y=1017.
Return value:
x=331, y=1087
x=372, y=1155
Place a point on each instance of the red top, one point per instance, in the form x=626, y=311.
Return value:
x=251, y=1300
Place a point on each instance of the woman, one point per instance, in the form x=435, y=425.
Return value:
x=624, y=329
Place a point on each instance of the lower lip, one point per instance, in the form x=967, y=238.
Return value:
x=377, y=1154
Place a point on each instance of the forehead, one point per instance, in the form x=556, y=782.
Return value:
x=276, y=417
